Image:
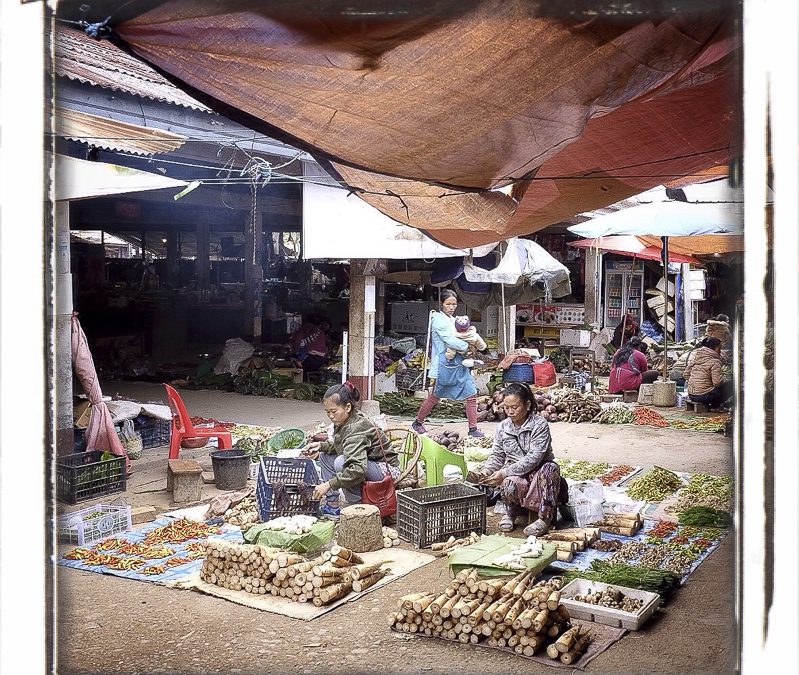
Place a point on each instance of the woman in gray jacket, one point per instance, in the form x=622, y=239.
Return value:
x=522, y=464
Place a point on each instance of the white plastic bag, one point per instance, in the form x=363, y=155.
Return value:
x=585, y=501
x=236, y=352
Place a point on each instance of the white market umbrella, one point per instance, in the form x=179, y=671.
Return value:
x=665, y=219
x=81, y=179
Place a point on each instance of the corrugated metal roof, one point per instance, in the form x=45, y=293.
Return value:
x=103, y=132
x=100, y=63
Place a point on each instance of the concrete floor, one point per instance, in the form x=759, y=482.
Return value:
x=113, y=625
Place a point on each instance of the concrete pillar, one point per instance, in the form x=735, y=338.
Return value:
x=688, y=305
x=360, y=352
x=203, y=263
x=593, y=284
x=64, y=436
x=253, y=276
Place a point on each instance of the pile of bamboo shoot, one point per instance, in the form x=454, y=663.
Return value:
x=570, y=646
x=511, y=614
x=444, y=547
x=261, y=570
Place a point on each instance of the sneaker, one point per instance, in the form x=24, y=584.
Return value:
x=418, y=427
x=476, y=433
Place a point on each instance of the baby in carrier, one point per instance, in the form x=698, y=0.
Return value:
x=468, y=333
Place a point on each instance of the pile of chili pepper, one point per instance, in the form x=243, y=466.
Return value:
x=217, y=425
x=663, y=529
x=180, y=530
x=615, y=474
x=649, y=417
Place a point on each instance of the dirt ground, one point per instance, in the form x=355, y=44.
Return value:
x=108, y=624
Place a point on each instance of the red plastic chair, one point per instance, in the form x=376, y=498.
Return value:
x=183, y=428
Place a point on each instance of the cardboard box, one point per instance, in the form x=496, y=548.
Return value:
x=294, y=373
x=575, y=337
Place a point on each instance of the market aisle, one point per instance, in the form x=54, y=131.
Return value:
x=224, y=405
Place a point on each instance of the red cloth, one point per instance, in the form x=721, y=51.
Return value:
x=100, y=434
x=310, y=338
x=624, y=376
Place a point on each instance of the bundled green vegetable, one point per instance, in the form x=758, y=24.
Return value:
x=394, y=403
x=615, y=414
x=631, y=576
x=655, y=485
x=582, y=470
x=704, y=516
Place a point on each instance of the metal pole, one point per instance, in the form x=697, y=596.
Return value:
x=504, y=321
x=427, y=350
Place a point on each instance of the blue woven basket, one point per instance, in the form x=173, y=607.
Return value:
x=519, y=372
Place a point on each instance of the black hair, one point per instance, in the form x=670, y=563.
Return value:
x=344, y=393
x=711, y=342
x=723, y=317
x=623, y=355
x=447, y=293
x=522, y=392
x=643, y=347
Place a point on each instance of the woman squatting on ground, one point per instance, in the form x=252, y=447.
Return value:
x=358, y=451
x=522, y=464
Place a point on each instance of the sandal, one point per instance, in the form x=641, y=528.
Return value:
x=506, y=523
x=537, y=529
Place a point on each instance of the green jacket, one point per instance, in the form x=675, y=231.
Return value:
x=357, y=440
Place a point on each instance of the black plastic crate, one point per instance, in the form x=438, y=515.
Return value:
x=297, y=501
x=289, y=472
x=409, y=379
x=154, y=432
x=433, y=514
x=84, y=475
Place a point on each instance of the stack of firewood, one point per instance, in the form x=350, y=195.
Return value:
x=261, y=570
x=511, y=614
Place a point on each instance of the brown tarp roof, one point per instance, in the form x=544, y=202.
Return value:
x=480, y=95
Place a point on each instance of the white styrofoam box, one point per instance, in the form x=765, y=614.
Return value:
x=659, y=286
x=660, y=311
x=607, y=615
x=385, y=383
x=575, y=337
x=410, y=317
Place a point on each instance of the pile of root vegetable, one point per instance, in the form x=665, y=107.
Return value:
x=513, y=615
x=261, y=570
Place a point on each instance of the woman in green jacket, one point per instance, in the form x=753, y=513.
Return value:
x=358, y=451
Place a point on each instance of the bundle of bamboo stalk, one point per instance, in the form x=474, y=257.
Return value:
x=509, y=614
x=571, y=540
x=627, y=524
x=260, y=570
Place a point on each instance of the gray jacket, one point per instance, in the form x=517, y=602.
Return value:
x=517, y=452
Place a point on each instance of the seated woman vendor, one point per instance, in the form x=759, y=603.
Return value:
x=357, y=452
x=523, y=466
x=703, y=375
x=629, y=368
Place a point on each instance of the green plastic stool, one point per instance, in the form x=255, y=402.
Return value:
x=435, y=458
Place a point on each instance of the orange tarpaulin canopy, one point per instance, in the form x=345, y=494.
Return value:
x=422, y=113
